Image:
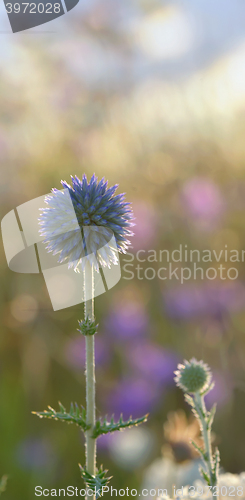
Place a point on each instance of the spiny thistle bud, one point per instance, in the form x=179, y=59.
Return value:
x=193, y=376
x=87, y=327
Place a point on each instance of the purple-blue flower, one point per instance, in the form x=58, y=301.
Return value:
x=204, y=300
x=88, y=207
x=153, y=362
x=203, y=201
x=127, y=320
x=221, y=394
x=34, y=453
x=133, y=396
x=146, y=230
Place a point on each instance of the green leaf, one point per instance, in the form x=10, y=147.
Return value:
x=104, y=427
x=87, y=327
x=216, y=459
x=75, y=416
x=96, y=482
x=3, y=484
x=211, y=415
x=189, y=399
x=202, y=452
x=209, y=388
x=205, y=476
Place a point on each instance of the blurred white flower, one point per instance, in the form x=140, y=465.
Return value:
x=131, y=448
x=166, y=33
x=228, y=485
x=180, y=463
x=163, y=473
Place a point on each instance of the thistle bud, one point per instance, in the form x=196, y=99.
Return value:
x=193, y=376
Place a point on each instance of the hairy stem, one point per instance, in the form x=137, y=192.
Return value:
x=206, y=433
x=90, y=373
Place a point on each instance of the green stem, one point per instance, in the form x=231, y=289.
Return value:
x=90, y=373
x=206, y=433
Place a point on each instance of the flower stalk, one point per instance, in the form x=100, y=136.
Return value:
x=86, y=226
x=90, y=371
x=195, y=379
x=206, y=433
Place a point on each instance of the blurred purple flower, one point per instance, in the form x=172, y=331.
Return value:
x=103, y=442
x=192, y=300
x=154, y=362
x=127, y=320
x=145, y=230
x=222, y=391
x=74, y=352
x=34, y=453
x=184, y=301
x=134, y=397
x=203, y=201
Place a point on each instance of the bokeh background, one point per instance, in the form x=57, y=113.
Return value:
x=151, y=95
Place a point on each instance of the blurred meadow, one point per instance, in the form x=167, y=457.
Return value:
x=149, y=94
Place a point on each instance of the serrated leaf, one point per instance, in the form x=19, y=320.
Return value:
x=216, y=459
x=96, y=482
x=211, y=416
x=104, y=427
x=208, y=389
x=205, y=476
x=200, y=450
x=189, y=399
x=75, y=416
x=87, y=327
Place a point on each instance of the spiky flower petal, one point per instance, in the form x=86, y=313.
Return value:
x=193, y=376
x=81, y=220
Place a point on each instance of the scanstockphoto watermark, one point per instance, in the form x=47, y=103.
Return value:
x=182, y=264
x=183, y=492
x=72, y=491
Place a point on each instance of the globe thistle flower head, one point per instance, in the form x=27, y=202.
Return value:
x=82, y=219
x=193, y=376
